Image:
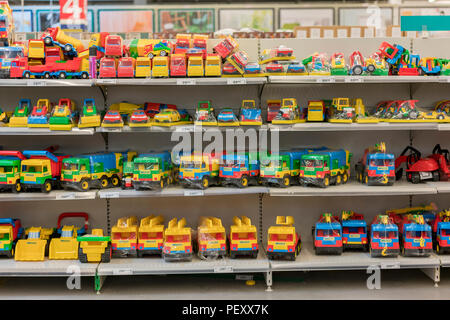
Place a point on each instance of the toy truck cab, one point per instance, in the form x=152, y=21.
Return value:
x=416, y=236
x=384, y=237
x=213, y=65
x=10, y=232
x=178, y=66
x=152, y=171
x=225, y=47
x=195, y=66
x=150, y=236
x=177, y=241
x=113, y=46
x=89, y=116
x=341, y=110
x=282, y=240
x=240, y=169
x=125, y=67
x=354, y=231
x=211, y=238
x=243, y=238
x=376, y=167
x=441, y=232
x=143, y=67
x=199, y=170
x=160, y=67
x=328, y=235
x=10, y=166
x=40, y=114
x=288, y=112
x=316, y=110
x=124, y=237
x=107, y=68
x=94, y=247
x=281, y=169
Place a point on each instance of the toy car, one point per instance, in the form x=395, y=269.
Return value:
x=227, y=117
x=167, y=116
x=316, y=110
x=250, y=114
x=112, y=118
x=252, y=69
x=418, y=169
x=273, y=107
x=89, y=116
x=243, y=238
x=63, y=116
x=150, y=236
x=138, y=118
x=211, y=238
x=35, y=246
x=213, y=65
x=441, y=232
x=124, y=238
x=177, y=241
x=239, y=60
x=178, y=66
x=20, y=116
x=161, y=48
x=357, y=66
x=11, y=231
x=274, y=68
x=228, y=70
x=296, y=68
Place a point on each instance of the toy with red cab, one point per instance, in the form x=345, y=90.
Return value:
x=107, y=68
x=178, y=67
x=113, y=46
x=125, y=67
x=225, y=47
x=240, y=169
x=273, y=108
x=239, y=60
x=418, y=169
x=327, y=235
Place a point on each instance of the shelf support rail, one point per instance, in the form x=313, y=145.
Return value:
x=434, y=274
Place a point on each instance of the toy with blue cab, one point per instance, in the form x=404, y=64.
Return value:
x=354, y=231
x=384, y=237
x=327, y=234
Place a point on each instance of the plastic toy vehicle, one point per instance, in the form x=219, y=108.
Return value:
x=441, y=232
x=183, y=42
x=153, y=171
x=239, y=60
x=113, y=46
x=354, y=231
x=380, y=66
x=418, y=169
x=275, y=68
x=225, y=47
x=127, y=176
x=143, y=68
x=160, y=67
x=167, y=116
x=6, y=24
x=41, y=170
x=341, y=111
x=40, y=114
x=89, y=116
x=177, y=241
x=324, y=168
x=20, y=116
x=150, y=236
x=338, y=65
x=36, y=49
x=250, y=114
x=161, y=48
x=289, y=112
x=416, y=236
x=405, y=110
x=358, y=66
x=240, y=170
x=213, y=66
x=94, y=247
x=178, y=66
x=277, y=54
x=316, y=110
x=113, y=119
x=64, y=246
x=63, y=115
x=429, y=66
x=58, y=35
x=228, y=70
x=243, y=238
x=211, y=238
x=376, y=167
x=125, y=67
x=328, y=235
x=273, y=108
x=199, y=170
x=384, y=239
x=10, y=167
x=296, y=68
x=195, y=67
x=317, y=65
x=227, y=117
x=138, y=118
x=107, y=68
x=282, y=240
x=253, y=69
x=98, y=170
x=124, y=237
x=361, y=116
x=10, y=232
x=35, y=246
x=204, y=114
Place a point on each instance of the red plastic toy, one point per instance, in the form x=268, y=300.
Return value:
x=113, y=46
x=178, y=65
x=107, y=68
x=418, y=169
x=125, y=68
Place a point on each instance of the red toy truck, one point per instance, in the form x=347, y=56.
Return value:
x=225, y=47
x=55, y=69
x=107, y=68
x=113, y=46
x=125, y=68
x=178, y=65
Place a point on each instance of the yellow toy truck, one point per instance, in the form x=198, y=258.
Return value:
x=213, y=65
x=211, y=238
x=143, y=67
x=195, y=66
x=35, y=246
x=282, y=240
x=177, y=241
x=124, y=237
x=341, y=111
x=316, y=110
x=243, y=238
x=160, y=67
x=150, y=236
x=199, y=170
x=94, y=247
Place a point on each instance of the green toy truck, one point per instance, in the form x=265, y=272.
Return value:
x=10, y=164
x=152, y=171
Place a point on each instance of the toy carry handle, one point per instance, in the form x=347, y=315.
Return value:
x=52, y=148
x=74, y=215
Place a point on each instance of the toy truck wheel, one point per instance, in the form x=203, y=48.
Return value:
x=338, y=179
x=85, y=75
x=46, y=75
x=27, y=75
x=325, y=182
x=17, y=187
x=150, y=55
x=82, y=256
x=357, y=70
x=286, y=181
x=140, y=254
x=345, y=178
x=437, y=249
x=366, y=179
x=62, y=75
x=163, y=53
x=48, y=40
x=106, y=256
x=84, y=184
x=46, y=187
x=104, y=182
x=162, y=183
x=232, y=255
x=243, y=182
x=115, y=181
x=371, y=68
x=205, y=182
x=436, y=176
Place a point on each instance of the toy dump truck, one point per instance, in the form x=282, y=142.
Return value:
x=35, y=246
x=328, y=235
x=150, y=236
x=354, y=231
x=211, y=238
x=441, y=232
x=10, y=232
x=124, y=237
x=153, y=171
x=64, y=246
x=282, y=240
x=199, y=170
x=10, y=166
x=240, y=169
x=20, y=116
x=94, y=247
x=177, y=241
x=243, y=238
x=98, y=170
x=384, y=239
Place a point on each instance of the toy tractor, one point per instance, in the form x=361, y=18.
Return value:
x=94, y=247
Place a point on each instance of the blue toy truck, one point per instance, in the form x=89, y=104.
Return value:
x=376, y=167
x=384, y=238
x=241, y=169
x=282, y=169
x=327, y=235
x=354, y=231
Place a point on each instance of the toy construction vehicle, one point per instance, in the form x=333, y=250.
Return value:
x=243, y=238
x=89, y=116
x=177, y=241
x=282, y=240
x=94, y=247
x=35, y=246
x=211, y=237
x=124, y=237
x=150, y=236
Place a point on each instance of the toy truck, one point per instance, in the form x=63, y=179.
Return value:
x=113, y=46
x=416, y=236
x=63, y=115
x=64, y=246
x=177, y=241
x=89, y=116
x=21, y=113
x=324, y=168
x=7, y=24
x=160, y=67
x=124, y=239
x=384, y=239
x=282, y=240
x=282, y=169
x=289, y=112
x=341, y=111
x=239, y=60
x=150, y=236
x=328, y=235
x=183, y=43
x=240, y=170
x=195, y=67
x=250, y=114
x=108, y=68
x=213, y=66
x=98, y=170
x=204, y=114
x=441, y=232
x=35, y=246
x=125, y=67
x=225, y=47
x=94, y=247
x=153, y=171
x=10, y=166
x=243, y=238
x=316, y=110
x=354, y=231
x=143, y=67
x=40, y=114
x=211, y=238
x=41, y=170
x=56, y=34
x=199, y=170
x=127, y=176
x=376, y=167
x=178, y=66
x=10, y=232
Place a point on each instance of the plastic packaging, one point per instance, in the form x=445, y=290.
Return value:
x=441, y=232
x=354, y=231
x=227, y=117
x=384, y=237
x=327, y=234
x=318, y=64
x=150, y=236
x=177, y=241
x=250, y=114
x=283, y=242
x=204, y=114
x=341, y=111
x=211, y=238
x=376, y=167
x=124, y=237
x=199, y=170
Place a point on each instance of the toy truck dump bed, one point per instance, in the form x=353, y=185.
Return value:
x=151, y=236
x=243, y=238
x=282, y=240
x=124, y=237
x=211, y=238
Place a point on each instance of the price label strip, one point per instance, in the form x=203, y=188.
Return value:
x=235, y=81
x=223, y=269
x=36, y=83
x=193, y=193
x=186, y=82
x=326, y=80
x=111, y=195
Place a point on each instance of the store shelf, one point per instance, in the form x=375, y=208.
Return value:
x=180, y=128
x=182, y=81
x=357, y=79
x=6, y=131
x=354, y=188
x=444, y=127
x=46, y=83
x=47, y=268
x=445, y=260
x=309, y=261
x=178, y=191
x=381, y=126
x=53, y=195
x=441, y=186
x=156, y=265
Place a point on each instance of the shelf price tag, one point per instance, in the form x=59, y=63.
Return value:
x=36, y=83
x=107, y=81
x=65, y=196
x=111, y=194
x=390, y=265
x=326, y=80
x=193, y=193
x=353, y=79
x=186, y=82
x=121, y=272
x=234, y=81
x=223, y=269
x=185, y=129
